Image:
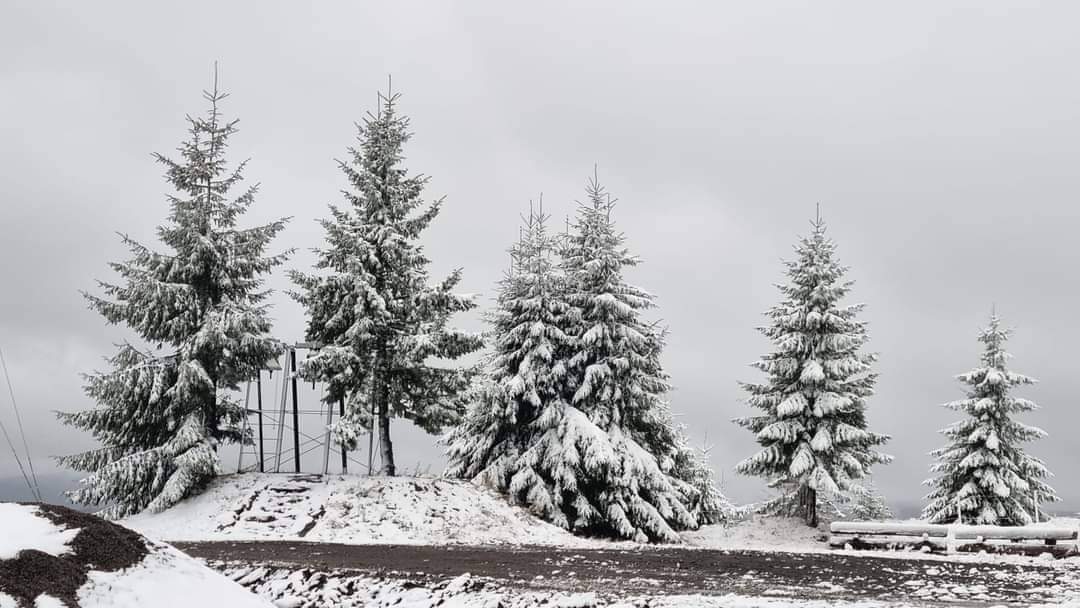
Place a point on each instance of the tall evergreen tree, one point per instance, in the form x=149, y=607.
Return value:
x=524, y=375
x=573, y=423
x=369, y=305
x=984, y=476
x=201, y=305
x=813, y=430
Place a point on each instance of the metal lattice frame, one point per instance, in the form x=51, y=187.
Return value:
x=283, y=419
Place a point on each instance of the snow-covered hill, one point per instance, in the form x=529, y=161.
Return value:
x=421, y=510
x=52, y=557
x=350, y=509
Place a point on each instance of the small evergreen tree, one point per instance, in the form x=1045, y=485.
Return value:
x=370, y=307
x=984, y=476
x=813, y=430
x=161, y=415
x=572, y=422
x=710, y=506
x=867, y=504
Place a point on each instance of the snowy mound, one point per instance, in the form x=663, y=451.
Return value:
x=349, y=509
x=51, y=556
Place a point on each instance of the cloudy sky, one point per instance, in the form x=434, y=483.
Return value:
x=942, y=140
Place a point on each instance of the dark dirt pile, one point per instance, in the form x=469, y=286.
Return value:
x=99, y=545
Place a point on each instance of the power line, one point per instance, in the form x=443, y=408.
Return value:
x=36, y=490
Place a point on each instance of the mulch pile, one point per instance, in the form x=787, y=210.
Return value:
x=99, y=545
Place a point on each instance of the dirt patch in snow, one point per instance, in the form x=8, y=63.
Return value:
x=99, y=545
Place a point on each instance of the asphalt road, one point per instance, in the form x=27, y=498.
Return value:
x=654, y=571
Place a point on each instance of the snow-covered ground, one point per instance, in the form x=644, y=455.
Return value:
x=24, y=529
x=166, y=578
x=303, y=589
x=359, y=510
x=350, y=509
x=356, y=509
x=760, y=533
x=37, y=555
x=307, y=588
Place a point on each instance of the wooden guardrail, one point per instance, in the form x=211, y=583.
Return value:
x=874, y=535
x=954, y=538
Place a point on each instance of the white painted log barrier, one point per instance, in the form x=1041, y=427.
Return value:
x=888, y=528
x=952, y=538
x=1014, y=533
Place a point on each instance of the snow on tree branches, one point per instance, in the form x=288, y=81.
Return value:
x=525, y=377
x=161, y=415
x=984, y=476
x=370, y=306
x=571, y=420
x=867, y=504
x=813, y=430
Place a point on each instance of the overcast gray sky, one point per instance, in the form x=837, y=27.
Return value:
x=940, y=138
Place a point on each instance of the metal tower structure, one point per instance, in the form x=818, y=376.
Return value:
x=276, y=431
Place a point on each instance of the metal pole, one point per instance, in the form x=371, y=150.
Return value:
x=284, y=394
x=344, y=458
x=258, y=401
x=295, y=412
x=244, y=428
x=371, y=446
x=326, y=438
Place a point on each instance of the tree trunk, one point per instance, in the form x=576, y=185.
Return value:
x=215, y=416
x=808, y=505
x=386, y=446
x=384, y=441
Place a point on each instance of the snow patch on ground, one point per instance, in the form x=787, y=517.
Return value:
x=166, y=578
x=163, y=578
x=352, y=510
x=760, y=533
x=24, y=528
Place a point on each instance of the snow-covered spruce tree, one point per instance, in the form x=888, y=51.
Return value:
x=524, y=376
x=162, y=413
x=573, y=423
x=369, y=305
x=984, y=476
x=813, y=429
x=637, y=473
